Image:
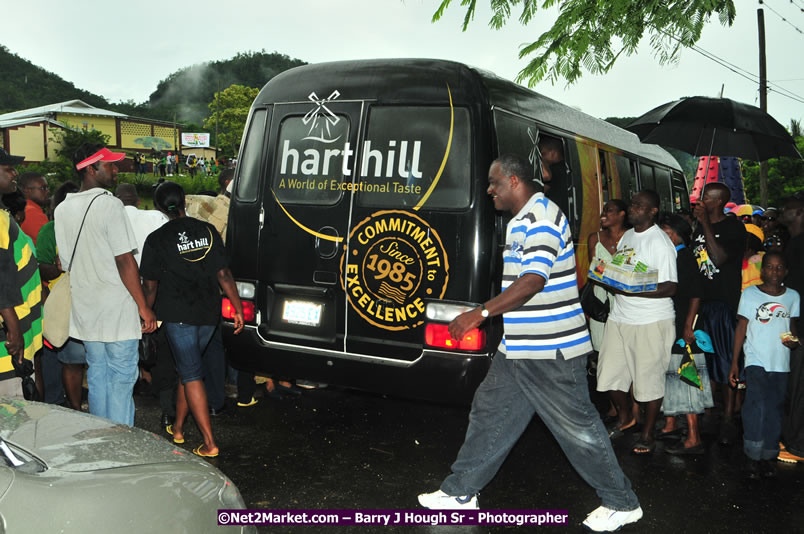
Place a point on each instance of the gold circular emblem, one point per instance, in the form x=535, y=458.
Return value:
x=393, y=261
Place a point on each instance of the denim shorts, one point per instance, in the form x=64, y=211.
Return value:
x=72, y=352
x=187, y=343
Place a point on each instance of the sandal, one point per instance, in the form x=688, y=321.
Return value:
x=169, y=430
x=675, y=433
x=616, y=431
x=680, y=449
x=642, y=447
x=198, y=452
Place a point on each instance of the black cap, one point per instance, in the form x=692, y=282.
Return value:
x=8, y=159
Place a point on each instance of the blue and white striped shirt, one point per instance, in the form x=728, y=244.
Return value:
x=539, y=241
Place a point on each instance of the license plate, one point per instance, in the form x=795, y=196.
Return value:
x=300, y=312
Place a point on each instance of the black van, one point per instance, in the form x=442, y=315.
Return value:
x=360, y=226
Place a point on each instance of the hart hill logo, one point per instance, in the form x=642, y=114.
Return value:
x=321, y=116
x=194, y=249
x=394, y=261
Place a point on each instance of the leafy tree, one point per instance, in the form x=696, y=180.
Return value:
x=188, y=90
x=785, y=177
x=591, y=35
x=230, y=111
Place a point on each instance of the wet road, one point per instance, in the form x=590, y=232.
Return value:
x=341, y=449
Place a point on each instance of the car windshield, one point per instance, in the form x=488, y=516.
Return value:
x=17, y=458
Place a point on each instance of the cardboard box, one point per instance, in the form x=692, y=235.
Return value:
x=625, y=276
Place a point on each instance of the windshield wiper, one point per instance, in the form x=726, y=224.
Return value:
x=10, y=456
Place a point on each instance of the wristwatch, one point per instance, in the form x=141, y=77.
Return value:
x=483, y=311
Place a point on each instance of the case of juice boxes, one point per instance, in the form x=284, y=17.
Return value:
x=620, y=273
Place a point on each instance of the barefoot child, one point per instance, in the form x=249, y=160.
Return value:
x=765, y=333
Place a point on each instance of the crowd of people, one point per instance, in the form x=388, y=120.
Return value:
x=723, y=316
x=723, y=319
x=734, y=321
x=99, y=241
x=170, y=164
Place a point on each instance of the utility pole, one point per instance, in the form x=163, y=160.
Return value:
x=763, y=102
x=217, y=116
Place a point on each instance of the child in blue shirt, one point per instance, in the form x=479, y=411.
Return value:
x=765, y=333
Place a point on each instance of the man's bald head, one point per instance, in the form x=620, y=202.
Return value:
x=718, y=191
x=127, y=194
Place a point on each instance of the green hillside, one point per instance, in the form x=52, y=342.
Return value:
x=185, y=93
x=188, y=91
x=24, y=85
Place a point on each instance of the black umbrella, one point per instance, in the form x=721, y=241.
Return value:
x=715, y=126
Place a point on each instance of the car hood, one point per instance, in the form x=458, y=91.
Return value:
x=77, y=442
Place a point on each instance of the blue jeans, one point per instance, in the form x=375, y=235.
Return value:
x=111, y=375
x=214, y=361
x=763, y=411
x=187, y=343
x=557, y=391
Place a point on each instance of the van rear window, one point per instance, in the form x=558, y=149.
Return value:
x=411, y=157
x=309, y=167
x=249, y=168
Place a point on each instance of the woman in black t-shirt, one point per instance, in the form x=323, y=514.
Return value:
x=681, y=398
x=185, y=260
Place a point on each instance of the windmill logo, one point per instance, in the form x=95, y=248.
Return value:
x=535, y=156
x=321, y=118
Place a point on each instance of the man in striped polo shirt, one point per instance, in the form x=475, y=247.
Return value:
x=540, y=366
x=20, y=289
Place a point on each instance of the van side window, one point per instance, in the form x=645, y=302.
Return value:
x=604, y=175
x=248, y=179
x=309, y=165
x=646, y=178
x=663, y=187
x=516, y=135
x=405, y=152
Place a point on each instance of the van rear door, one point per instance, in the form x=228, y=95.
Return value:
x=311, y=159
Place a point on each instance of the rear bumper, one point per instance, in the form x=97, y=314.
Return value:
x=435, y=375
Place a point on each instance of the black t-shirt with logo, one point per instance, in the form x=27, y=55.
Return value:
x=722, y=282
x=184, y=256
x=794, y=258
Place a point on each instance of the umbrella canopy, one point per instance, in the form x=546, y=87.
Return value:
x=715, y=126
x=743, y=210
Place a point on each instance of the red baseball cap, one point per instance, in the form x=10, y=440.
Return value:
x=104, y=154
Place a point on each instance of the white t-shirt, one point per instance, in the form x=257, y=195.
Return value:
x=653, y=248
x=143, y=222
x=102, y=308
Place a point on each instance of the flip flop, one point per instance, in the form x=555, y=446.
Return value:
x=198, y=452
x=616, y=431
x=680, y=449
x=648, y=447
x=675, y=433
x=169, y=430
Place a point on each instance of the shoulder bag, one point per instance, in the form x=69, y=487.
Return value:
x=56, y=311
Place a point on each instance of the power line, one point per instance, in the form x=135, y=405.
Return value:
x=797, y=5
x=750, y=76
x=765, y=3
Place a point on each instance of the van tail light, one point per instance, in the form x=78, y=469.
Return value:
x=437, y=335
x=228, y=310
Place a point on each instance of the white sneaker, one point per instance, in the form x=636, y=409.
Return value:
x=441, y=501
x=607, y=520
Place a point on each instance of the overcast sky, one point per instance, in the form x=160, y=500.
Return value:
x=123, y=52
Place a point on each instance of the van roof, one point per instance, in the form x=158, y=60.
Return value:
x=424, y=80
